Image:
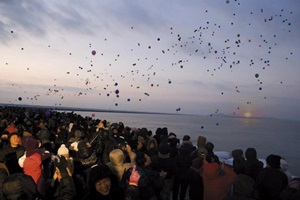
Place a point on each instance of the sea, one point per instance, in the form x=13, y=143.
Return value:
x=266, y=135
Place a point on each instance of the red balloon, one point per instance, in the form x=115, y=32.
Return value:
x=93, y=52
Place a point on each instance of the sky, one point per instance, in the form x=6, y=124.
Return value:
x=230, y=57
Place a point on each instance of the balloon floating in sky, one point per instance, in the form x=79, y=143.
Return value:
x=93, y=52
x=256, y=75
x=20, y=98
x=93, y=115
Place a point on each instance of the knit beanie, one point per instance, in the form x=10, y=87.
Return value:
x=98, y=173
x=62, y=150
x=164, y=150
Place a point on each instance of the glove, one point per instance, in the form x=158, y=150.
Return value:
x=134, y=177
x=61, y=163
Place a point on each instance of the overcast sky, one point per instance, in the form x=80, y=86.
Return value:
x=202, y=57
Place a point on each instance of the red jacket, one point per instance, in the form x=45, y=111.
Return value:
x=215, y=185
x=33, y=166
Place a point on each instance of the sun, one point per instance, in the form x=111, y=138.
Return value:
x=248, y=114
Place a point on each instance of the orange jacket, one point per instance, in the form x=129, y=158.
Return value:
x=215, y=185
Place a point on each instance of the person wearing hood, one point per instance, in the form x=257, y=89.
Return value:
x=117, y=163
x=103, y=184
x=252, y=165
x=152, y=147
x=216, y=185
x=201, y=141
x=32, y=164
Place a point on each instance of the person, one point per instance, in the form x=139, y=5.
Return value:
x=103, y=184
x=183, y=164
x=11, y=128
x=209, y=146
x=64, y=151
x=64, y=184
x=152, y=147
x=215, y=184
x=238, y=161
x=271, y=181
x=242, y=188
x=117, y=163
x=195, y=180
x=32, y=164
x=252, y=165
x=3, y=174
x=11, y=153
x=201, y=141
x=19, y=186
x=164, y=163
x=186, y=142
x=150, y=182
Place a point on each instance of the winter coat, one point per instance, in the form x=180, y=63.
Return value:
x=116, y=164
x=216, y=185
x=164, y=164
x=242, y=188
x=195, y=184
x=10, y=155
x=252, y=166
x=32, y=166
x=66, y=189
x=19, y=186
x=270, y=182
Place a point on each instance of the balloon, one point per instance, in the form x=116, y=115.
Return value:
x=93, y=115
x=256, y=75
x=20, y=98
x=93, y=52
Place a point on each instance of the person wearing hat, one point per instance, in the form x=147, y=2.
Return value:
x=11, y=153
x=103, y=184
x=64, y=151
x=271, y=181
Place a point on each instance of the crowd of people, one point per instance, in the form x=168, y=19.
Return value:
x=46, y=154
